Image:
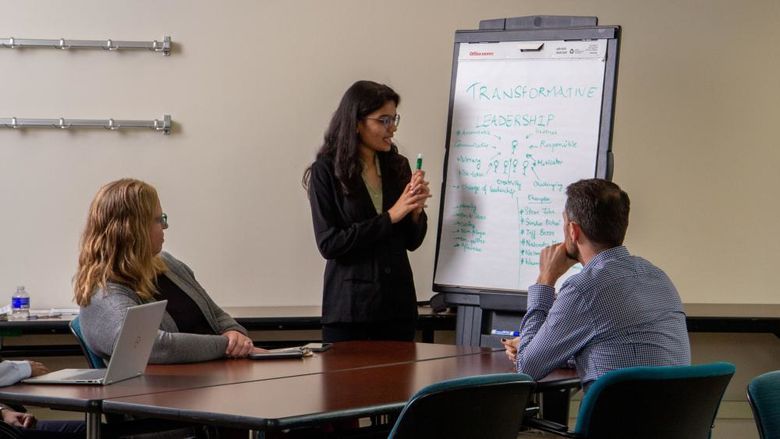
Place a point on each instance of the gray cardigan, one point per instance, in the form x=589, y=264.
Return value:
x=102, y=318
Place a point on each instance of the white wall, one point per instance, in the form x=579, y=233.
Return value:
x=252, y=84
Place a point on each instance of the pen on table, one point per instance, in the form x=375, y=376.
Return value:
x=505, y=333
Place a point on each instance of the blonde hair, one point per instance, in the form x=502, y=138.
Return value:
x=116, y=246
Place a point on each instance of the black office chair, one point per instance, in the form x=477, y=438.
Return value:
x=670, y=402
x=93, y=359
x=764, y=396
x=489, y=406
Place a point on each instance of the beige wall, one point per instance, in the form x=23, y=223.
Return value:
x=252, y=84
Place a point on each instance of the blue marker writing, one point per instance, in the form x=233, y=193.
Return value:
x=505, y=333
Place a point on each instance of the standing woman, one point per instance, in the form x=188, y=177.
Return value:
x=367, y=210
x=121, y=264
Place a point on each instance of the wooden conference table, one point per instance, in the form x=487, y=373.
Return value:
x=314, y=399
x=351, y=379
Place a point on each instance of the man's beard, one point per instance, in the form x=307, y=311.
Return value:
x=572, y=252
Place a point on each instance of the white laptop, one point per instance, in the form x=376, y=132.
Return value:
x=131, y=351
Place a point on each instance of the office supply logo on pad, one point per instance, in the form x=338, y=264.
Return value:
x=478, y=53
x=130, y=354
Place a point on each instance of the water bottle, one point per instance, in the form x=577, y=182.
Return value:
x=20, y=304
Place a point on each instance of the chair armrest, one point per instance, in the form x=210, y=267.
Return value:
x=548, y=426
x=571, y=383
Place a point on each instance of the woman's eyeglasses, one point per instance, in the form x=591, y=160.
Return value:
x=388, y=120
x=162, y=220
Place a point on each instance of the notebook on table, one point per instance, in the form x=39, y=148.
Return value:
x=294, y=352
x=131, y=351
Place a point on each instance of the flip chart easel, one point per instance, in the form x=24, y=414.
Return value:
x=531, y=111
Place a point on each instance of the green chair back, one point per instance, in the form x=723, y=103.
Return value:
x=764, y=396
x=670, y=402
x=489, y=406
x=93, y=359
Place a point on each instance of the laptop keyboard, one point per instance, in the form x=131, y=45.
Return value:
x=92, y=374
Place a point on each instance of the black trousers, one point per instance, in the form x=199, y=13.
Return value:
x=397, y=330
x=54, y=430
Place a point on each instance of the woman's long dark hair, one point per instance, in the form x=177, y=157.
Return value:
x=342, y=141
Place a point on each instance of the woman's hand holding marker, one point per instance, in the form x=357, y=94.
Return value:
x=418, y=187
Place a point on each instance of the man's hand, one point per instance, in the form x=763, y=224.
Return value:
x=17, y=419
x=511, y=347
x=239, y=345
x=553, y=262
x=37, y=368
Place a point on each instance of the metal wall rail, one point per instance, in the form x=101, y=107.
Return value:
x=163, y=125
x=163, y=46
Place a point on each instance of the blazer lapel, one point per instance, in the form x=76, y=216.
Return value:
x=364, y=200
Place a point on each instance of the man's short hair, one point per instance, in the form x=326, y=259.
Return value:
x=600, y=208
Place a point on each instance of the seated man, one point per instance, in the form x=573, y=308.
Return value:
x=25, y=424
x=619, y=311
x=11, y=372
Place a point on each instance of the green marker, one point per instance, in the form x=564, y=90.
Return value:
x=419, y=161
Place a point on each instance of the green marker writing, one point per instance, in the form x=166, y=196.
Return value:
x=419, y=161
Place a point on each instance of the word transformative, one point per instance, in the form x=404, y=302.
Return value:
x=482, y=92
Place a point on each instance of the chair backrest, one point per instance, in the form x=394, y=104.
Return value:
x=9, y=432
x=93, y=359
x=488, y=406
x=654, y=402
x=764, y=396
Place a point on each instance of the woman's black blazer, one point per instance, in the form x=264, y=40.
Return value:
x=367, y=275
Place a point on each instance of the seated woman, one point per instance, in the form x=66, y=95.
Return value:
x=122, y=264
